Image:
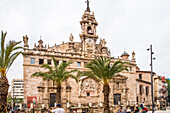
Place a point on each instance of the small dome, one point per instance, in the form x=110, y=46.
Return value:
x=125, y=54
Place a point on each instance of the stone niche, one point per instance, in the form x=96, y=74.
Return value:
x=88, y=87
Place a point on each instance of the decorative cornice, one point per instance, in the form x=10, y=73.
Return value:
x=143, y=81
x=145, y=72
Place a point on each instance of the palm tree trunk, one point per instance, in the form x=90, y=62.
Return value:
x=106, y=90
x=3, y=93
x=58, y=94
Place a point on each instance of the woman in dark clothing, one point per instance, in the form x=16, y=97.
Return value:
x=136, y=109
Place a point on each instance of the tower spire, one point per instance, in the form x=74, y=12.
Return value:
x=88, y=8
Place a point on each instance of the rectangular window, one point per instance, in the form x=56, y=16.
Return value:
x=88, y=94
x=130, y=68
x=49, y=61
x=41, y=61
x=141, y=89
x=147, y=90
x=32, y=60
x=78, y=64
x=140, y=76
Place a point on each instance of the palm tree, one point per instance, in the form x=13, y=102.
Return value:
x=8, y=54
x=58, y=74
x=102, y=71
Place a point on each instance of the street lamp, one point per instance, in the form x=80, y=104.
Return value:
x=151, y=76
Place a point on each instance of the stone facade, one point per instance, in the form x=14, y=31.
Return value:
x=124, y=86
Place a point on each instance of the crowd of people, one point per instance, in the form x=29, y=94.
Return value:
x=137, y=109
x=16, y=109
x=140, y=109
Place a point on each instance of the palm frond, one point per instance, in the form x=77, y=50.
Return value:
x=45, y=76
x=3, y=35
x=8, y=53
x=57, y=74
x=102, y=70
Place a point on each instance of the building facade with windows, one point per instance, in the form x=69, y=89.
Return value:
x=17, y=87
x=17, y=92
x=124, y=86
x=143, y=89
x=160, y=90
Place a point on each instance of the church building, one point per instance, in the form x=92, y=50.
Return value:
x=127, y=88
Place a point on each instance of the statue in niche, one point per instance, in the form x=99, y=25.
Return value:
x=71, y=38
x=25, y=39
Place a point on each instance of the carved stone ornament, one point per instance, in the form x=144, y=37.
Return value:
x=88, y=85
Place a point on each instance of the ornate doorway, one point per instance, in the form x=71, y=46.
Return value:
x=52, y=99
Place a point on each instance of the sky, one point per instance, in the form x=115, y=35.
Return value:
x=126, y=25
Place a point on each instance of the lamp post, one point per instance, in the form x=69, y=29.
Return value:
x=151, y=76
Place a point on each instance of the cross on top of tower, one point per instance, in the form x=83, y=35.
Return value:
x=88, y=8
x=40, y=36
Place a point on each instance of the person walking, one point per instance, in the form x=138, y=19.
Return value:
x=58, y=109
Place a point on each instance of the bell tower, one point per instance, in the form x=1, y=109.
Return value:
x=88, y=31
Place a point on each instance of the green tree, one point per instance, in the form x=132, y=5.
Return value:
x=8, y=55
x=102, y=71
x=58, y=74
x=14, y=100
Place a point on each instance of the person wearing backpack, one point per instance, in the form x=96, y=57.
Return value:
x=144, y=109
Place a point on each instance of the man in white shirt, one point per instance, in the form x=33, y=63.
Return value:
x=58, y=109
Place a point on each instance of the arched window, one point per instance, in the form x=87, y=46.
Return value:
x=89, y=31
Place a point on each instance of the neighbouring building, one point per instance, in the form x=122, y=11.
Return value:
x=127, y=87
x=17, y=88
x=168, y=91
x=143, y=89
x=17, y=93
x=160, y=90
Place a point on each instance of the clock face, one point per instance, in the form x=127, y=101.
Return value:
x=89, y=40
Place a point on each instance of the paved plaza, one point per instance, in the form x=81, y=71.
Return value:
x=167, y=111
